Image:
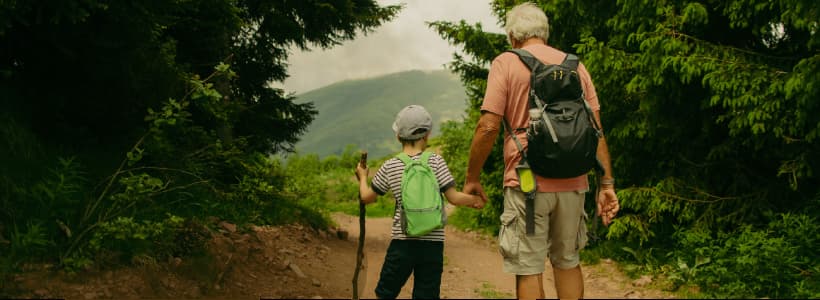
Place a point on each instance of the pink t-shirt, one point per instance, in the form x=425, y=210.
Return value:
x=508, y=85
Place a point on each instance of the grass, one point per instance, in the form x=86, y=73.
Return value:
x=463, y=219
x=383, y=207
x=594, y=254
x=487, y=291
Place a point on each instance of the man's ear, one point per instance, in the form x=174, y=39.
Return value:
x=513, y=42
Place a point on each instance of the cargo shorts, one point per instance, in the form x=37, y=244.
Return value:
x=560, y=231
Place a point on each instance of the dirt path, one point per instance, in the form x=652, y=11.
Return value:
x=473, y=267
x=295, y=261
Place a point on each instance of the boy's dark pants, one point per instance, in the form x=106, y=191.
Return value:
x=425, y=259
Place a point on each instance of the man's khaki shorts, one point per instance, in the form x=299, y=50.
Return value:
x=560, y=231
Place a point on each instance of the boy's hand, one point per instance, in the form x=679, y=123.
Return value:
x=361, y=171
x=478, y=203
x=475, y=188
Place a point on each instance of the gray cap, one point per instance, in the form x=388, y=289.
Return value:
x=410, y=119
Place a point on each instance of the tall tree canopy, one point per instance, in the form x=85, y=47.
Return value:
x=120, y=117
x=90, y=69
x=711, y=110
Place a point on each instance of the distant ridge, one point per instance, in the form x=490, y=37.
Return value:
x=362, y=111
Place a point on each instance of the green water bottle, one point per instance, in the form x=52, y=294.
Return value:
x=526, y=179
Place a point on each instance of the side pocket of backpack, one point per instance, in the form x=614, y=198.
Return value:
x=403, y=220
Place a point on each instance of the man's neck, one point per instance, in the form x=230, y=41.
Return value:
x=531, y=41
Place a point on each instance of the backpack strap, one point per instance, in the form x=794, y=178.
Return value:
x=515, y=138
x=404, y=158
x=425, y=157
x=529, y=203
x=526, y=57
x=571, y=61
x=407, y=160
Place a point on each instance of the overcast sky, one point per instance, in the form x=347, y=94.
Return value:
x=405, y=43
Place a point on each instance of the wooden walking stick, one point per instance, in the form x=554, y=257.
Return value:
x=361, y=262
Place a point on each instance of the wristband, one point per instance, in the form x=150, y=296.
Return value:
x=610, y=181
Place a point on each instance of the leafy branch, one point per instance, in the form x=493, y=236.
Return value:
x=172, y=111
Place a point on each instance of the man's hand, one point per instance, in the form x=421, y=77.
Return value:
x=608, y=206
x=475, y=188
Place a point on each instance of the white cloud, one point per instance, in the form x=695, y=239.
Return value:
x=406, y=43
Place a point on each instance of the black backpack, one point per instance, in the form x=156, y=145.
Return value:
x=563, y=135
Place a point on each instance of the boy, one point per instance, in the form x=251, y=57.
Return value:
x=422, y=255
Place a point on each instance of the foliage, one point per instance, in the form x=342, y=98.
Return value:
x=455, y=144
x=141, y=53
x=127, y=122
x=711, y=115
x=779, y=254
x=329, y=184
x=126, y=234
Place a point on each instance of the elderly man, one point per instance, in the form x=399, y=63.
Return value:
x=560, y=230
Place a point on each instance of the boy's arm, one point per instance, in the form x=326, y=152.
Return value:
x=366, y=193
x=458, y=198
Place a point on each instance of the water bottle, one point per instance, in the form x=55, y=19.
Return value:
x=526, y=179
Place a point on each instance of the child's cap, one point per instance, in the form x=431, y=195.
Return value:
x=410, y=119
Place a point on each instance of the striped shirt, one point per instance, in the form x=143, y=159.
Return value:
x=388, y=178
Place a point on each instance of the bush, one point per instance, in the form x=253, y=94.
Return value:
x=455, y=142
x=329, y=184
x=145, y=209
x=781, y=258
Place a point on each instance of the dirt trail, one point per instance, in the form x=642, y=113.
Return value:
x=294, y=261
x=473, y=267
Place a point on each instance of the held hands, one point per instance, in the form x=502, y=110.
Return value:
x=475, y=188
x=476, y=202
x=608, y=206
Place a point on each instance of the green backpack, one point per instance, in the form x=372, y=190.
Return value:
x=421, y=201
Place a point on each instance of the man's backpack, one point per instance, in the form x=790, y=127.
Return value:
x=421, y=201
x=563, y=135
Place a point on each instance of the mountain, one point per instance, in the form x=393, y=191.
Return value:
x=362, y=112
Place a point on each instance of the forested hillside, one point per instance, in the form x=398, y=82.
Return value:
x=712, y=112
x=361, y=112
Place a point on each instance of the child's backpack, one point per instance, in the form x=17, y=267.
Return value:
x=563, y=135
x=421, y=201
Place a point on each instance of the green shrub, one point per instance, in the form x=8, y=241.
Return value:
x=134, y=238
x=779, y=260
x=65, y=214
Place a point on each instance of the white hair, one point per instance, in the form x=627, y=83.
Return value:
x=526, y=21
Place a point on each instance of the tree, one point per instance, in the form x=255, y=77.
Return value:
x=104, y=63
x=178, y=88
x=710, y=107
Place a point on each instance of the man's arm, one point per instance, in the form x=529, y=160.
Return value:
x=484, y=137
x=607, y=200
x=603, y=151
